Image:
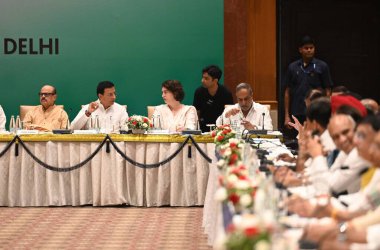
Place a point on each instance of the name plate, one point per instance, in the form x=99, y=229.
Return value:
x=85, y=132
x=26, y=132
x=159, y=132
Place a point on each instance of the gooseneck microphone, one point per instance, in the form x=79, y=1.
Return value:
x=263, y=114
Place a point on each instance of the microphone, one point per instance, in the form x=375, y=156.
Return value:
x=261, y=131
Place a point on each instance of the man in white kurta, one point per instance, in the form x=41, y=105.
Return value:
x=344, y=174
x=111, y=115
x=246, y=112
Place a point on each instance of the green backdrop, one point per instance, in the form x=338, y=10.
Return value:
x=137, y=44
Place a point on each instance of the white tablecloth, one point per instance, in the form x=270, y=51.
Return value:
x=212, y=210
x=107, y=179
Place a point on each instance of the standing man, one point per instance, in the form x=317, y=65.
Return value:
x=47, y=116
x=112, y=116
x=210, y=99
x=251, y=115
x=302, y=75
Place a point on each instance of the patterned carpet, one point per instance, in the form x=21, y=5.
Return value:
x=102, y=228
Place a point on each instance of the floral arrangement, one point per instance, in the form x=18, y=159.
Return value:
x=139, y=122
x=249, y=232
x=246, y=196
x=230, y=153
x=222, y=134
x=236, y=187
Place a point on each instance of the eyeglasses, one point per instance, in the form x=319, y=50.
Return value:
x=360, y=135
x=46, y=94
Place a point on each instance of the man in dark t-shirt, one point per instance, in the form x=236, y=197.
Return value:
x=210, y=99
x=302, y=75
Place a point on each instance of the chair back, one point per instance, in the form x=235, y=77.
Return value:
x=150, y=110
x=24, y=109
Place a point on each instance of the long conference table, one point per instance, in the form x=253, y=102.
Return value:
x=107, y=179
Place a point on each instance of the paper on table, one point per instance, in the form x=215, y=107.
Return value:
x=85, y=132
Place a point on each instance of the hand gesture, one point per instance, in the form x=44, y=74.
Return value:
x=92, y=107
x=296, y=125
x=248, y=125
x=232, y=112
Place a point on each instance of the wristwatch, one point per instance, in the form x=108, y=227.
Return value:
x=87, y=113
x=342, y=231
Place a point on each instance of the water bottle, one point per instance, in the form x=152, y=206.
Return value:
x=154, y=122
x=18, y=125
x=12, y=124
x=110, y=126
x=237, y=129
x=158, y=122
x=68, y=125
x=97, y=124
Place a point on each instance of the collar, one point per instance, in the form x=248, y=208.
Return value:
x=101, y=105
x=312, y=62
x=48, y=109
x=252, y=109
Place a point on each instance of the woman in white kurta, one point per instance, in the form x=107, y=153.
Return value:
x=174, y=116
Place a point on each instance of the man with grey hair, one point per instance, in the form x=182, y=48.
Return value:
x=344, y=175
x=246, y=112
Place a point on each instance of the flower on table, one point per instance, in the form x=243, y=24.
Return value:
x=139, y=122
x=222, y=134
x=237, y=187
x=247, y=232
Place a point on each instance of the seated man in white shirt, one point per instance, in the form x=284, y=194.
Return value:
x=111, y=115
x=249, y=114
x=344, y=174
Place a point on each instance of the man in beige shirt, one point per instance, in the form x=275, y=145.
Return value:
x=47, y=116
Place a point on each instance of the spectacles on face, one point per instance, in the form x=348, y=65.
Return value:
x=360, y=135
x=46, y=94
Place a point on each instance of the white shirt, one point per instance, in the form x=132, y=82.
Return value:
x=186, y=117
x=327, y=142
x=111, y=119
x=360, y=201
x=343, y=174
x=254, y=116
x=3, y=119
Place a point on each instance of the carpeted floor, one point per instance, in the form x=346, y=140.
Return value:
x=102, y=228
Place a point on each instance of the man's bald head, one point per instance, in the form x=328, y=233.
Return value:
x=341, y=129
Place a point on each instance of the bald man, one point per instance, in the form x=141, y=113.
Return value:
x=344, y=174
x=47, y=116
x=371, y=105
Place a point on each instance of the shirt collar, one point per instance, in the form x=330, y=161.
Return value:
x=101, y=105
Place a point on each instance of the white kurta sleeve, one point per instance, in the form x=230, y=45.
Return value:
x=80, y=121
x=191, y=118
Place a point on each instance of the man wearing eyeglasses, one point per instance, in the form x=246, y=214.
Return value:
x=302, y=75
x=47, y=116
